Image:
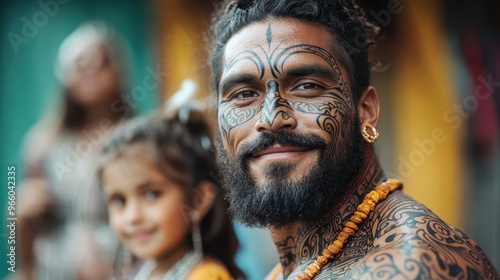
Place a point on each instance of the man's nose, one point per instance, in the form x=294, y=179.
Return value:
x=276, y=113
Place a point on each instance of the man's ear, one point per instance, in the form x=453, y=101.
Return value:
x=369, y=107
x=204, y=196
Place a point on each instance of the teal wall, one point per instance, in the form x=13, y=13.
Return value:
x=28, y=86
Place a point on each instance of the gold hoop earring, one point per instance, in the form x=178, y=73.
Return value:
x=369, y=138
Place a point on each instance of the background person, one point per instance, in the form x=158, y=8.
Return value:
x=63, y=232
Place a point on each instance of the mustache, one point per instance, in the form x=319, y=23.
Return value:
x=284, y=138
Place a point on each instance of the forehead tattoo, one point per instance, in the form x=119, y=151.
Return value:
x=329, y=111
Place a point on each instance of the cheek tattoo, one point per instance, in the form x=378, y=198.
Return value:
x=328, y=114
x=231, y=117
x=333, y=111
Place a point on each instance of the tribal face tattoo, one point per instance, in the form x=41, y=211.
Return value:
x=278, y=61
x=289, y=136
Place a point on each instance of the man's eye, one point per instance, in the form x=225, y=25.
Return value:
x=308, y=86
x=152, y=195
x=246, y=94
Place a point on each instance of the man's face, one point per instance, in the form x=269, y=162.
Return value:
x=288, y=132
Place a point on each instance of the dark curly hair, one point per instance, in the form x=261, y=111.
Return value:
x=344, y=19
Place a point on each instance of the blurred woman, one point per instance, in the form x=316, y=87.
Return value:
x=63, y=232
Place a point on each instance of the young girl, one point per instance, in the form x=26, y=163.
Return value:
x=159, y=179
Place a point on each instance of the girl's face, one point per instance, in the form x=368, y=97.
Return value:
x=146, y=209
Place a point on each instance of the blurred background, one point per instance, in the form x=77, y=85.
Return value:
x=437, y=72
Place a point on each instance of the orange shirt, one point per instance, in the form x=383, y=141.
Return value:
x=210, y=270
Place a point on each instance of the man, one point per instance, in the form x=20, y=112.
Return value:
x=297, y=117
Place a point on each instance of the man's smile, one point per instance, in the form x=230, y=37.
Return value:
x=277, y=152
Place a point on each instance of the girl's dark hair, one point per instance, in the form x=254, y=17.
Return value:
x=183, y=140
x=344, y=19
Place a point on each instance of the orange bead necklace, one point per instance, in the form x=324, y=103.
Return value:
x=364, y=208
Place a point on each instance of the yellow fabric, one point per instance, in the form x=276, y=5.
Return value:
x=210, y=271
x=423, y=95
x=182, y=46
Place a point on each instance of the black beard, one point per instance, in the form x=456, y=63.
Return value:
x=281, y=201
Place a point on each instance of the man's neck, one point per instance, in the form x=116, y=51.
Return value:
x=304, y=241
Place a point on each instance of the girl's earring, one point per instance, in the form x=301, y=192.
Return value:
x=196, y=235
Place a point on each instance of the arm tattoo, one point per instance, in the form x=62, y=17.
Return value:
x=412, y=242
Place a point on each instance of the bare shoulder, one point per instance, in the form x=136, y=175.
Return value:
x=413, y=243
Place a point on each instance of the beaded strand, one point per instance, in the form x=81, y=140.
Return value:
x=371, y=199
